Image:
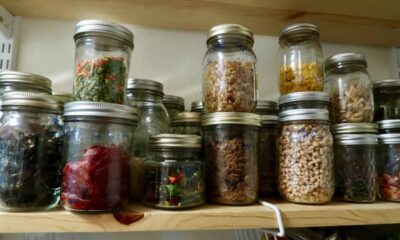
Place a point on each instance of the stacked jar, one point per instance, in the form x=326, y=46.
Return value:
x=187, y=123
x=174, y=105
x=387, y=99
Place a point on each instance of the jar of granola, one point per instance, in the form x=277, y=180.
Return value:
x=350, y=88
x=303, y=65
x=187, y=123
x=387, y=99
x=264, y=107
x=301, y=100
x=229, y=80
x=305, y=156
x=231, y=151
x=174, y=105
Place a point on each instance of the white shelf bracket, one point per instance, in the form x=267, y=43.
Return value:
x=9, y=32
x=6, y=22
x=278, y=215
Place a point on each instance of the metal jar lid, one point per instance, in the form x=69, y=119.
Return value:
x=304, y=96
x=387, y=83
x=174, y=141
x=228, y=31
x=10, y=77
x=341, y=59
x=356, y=139
x=269, y=119
x=83, y=109
x=197, y=106
x=389, y=138
x=303, y=114
x=103, y=28
x=145, y=84
x=344, y=128
x=299, y=30
x=174, y=100
x=263, y=104
x=389, y=124
x=231, y=118
x=183, y=117
x=30, y=100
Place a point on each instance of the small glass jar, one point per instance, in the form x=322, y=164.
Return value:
x=97, y=151
x=30, y=152
x=62, y=98
x=102, y=60
x=387, y=99
x=231, y=153
x=266, y=108
x=389, y=126
x=389, y=167
x=351, y=88
x=305, y=100
x=174, y=105
x=303, y=65
x=174, y=172
x=11, y=81
x=305, y=156
x=229, y=68
x=355, y=157
x=197, y=106
x=187, y=123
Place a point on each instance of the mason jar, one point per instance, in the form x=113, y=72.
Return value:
x=174, y=105
x=11, y=81
x=230, y=141
x=350, y=88
x=102, y=60
x=302, y=62
x=187, y=123
x=302, y=100
x=197, y=106
x=30, y=152
x=389, y=126
x=264, y=107
x=387, y=99
x=229, y=68
x=305, y=173
x=174, y=172
x=97, y=151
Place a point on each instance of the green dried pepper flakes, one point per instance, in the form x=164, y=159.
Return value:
x=101, y=80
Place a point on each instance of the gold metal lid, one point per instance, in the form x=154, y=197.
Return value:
x=174, y=141
x=193, y=117
x=231, y=118
x=228, y=31
x=30, y=100
x=40, y=82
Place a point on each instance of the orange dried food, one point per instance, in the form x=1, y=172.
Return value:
x=309, y=77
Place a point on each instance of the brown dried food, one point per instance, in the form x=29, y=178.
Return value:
x=307, y=78
x=229, y=87
x=389, y=187
x=267, y=161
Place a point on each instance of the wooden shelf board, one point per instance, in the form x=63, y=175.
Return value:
x=350, y=21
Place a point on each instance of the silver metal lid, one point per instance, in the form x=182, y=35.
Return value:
x=174, y=100
x=299, y=29
x=387, y=83
x=303, y=114
x=231, y=118
x=145, y=84
x=343, y=128
x=30, y=100
x=79, y=109
x=193, y=117
x=356, y=139
x=174, y=141
x=304, y=96
x=389, y=124
x=230, y=30
x=103, y=28
x=10, y=77
x=341, y=59
x=263, y=104
x=197, y=106
x=389, y=138
x=269, y=119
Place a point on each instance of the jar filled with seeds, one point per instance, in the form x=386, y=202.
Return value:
x=197, y=106
x=231, y=151
x=350, y=88
x=303, y=65
x=229, y=80
x=305, y=156
x=187, y=123
x=387, y=99
x=264, y=107
x=174, y=105
x=302, y=100
x=389, y=126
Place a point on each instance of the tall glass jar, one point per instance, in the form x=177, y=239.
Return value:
x=146, y=96
x=264, y=107
x=387, y=99
x=21, y=81
x=97, y=151
x=187, y=123
x=302, y=100
x=229, y=70
x=350, y=88
x=305, y=156
x=303, y=65
x=174, y=172
x=30, y=152
x=231, y=155
x=197, y=106
x=174, y=105
x=102, y=59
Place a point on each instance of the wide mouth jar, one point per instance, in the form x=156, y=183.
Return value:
x=22, y=81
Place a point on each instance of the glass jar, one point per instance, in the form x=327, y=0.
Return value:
x=303, y=65
x=62, y=98
x=267, y=156
x=97, y=151
x=197, y=106
x=355, y=128
x=30, y=152
x=355, y=157
x=102, y=59
x=389, y=167
x=266, y=108
x=389, y=126
x=305, y=156
x=387, y=99
x=351, y=88
x=20, y=81
x=146, y=96
x=229, y=68
x=174, y=172
x=231, y=153
x=174, y=105
x=304, y=100
x=187, y=123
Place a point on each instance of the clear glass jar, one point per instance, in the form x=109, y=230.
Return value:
x=303, y=65
x=97, y=151
x=351, y=88
x=355, y=165
x=31, y=144
x=11, y=81
x=187, y=123
x=231, y=153
x=389, y=167
x=304, y=100
x=305, y=156
x=389, y=126
x=174, y=105
x=229, y=68
x=174, y=172
x=387, y=99
x=102, y=60
x=197, y=106
x=266, y=108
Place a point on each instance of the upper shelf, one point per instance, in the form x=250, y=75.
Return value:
x=350, y=21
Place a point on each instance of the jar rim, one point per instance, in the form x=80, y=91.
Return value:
x=230, y=30
x=299, y=30
x=10, y=77
x=386, y=83
x=30, y=100
x=389, y=124
x=166, y=141
x=266, y=104
x=355, y=128
x=197, y=106
x=145, y=84
x=356, y=139
x=304, y=96
x=172, y=100
x=389, y=138
x=342, y=59
x=182, y=117
x=225, y=118
x=304, y=114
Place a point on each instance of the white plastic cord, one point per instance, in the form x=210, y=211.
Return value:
x=278, y=215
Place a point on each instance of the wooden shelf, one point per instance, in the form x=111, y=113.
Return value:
x=350, y=21
x=208, y=217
